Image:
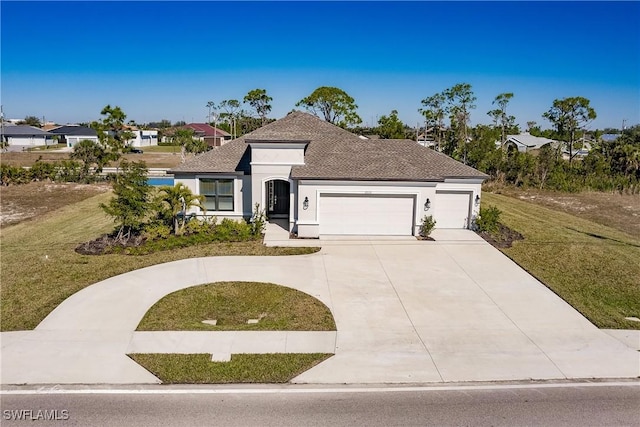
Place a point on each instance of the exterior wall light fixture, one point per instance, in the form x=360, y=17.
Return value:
x=477, y=199
x=305, y=203
x=427, y=204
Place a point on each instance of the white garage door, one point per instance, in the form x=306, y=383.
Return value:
x=452, y=209
x=366, y=214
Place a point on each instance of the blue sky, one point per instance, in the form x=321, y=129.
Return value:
x=67, y=60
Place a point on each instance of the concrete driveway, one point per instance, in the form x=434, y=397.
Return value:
x=406, y=312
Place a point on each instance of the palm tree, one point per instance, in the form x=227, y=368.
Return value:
x=177, y=200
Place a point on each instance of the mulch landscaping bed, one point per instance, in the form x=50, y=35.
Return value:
x=106, y=244
x=503, y=238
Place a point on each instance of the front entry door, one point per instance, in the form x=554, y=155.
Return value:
x=278, y=199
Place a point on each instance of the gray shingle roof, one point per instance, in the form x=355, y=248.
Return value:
x=23, y=130
x=334, y=153
x=73, y=131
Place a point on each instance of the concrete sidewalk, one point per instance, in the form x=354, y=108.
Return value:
x=451, y=310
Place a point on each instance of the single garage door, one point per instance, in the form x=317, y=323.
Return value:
x=389, y=215
x=452, y=209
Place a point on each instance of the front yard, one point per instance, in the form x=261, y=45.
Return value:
x=594, y=267
x=40, y=268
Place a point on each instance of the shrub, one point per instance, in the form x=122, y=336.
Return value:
x=258, y=220
x=488, y=219
x=14, y=175
x=427, y=226
x=69, y=171
x=205, y=225
x=41, y=171
x=232, y=231
x=156, y=231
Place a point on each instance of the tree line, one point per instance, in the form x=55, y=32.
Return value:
x=609, y=165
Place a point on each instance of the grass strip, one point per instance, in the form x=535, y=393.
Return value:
x=243, y=368
x=231, y=304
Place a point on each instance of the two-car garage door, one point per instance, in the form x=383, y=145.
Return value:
x=366, y=214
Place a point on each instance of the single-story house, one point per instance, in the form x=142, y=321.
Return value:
x=24, y=135
x=526, y=142
x=72, y=134
x=143, y=138
x=325, y=180
x=212, y=136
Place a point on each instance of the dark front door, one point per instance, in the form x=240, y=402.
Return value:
x=277, y=199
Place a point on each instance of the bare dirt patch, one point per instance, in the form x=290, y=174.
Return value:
x=28, y=158
x=22, y=202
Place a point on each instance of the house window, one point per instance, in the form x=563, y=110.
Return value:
x=218, y=194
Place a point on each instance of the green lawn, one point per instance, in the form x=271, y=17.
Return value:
x=40, y=269
x=243, y=368
x=162, y=149
x=593, y=267
x=279, y=308
x=48, y=147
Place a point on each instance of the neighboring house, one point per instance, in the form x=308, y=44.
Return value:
x=214, y=137
x=325, y=180
x=143, y=138
x=23, y=135
x=72, y=134
x=526, y=142
x=428, y=138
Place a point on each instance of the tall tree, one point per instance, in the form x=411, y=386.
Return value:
x=231, y=113
x=113, y=134
x=188, y=143
x=260, y=102
x=501, y=119
x=211, y=106
x=31, y=121
x=568, y=115
x=461, y=100
x=434, y=111
x=391, y=127
x=334, y=104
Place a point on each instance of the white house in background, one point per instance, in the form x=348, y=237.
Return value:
x=143, y=138
x=72, y=134
x=526, y=142
x=325, y=180
x=27, y=136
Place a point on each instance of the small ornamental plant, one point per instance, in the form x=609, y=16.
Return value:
x=488, y=220
x=427, y=226
x=258, y=220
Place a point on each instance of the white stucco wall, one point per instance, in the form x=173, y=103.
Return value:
x=73, y=140
x=30, y=140
x=308, y=223
x=273, y=161
x=242, y=206
x=308, y=220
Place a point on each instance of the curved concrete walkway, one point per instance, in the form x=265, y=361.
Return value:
x=451, y=310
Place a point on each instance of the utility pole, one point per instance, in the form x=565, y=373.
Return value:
x=623, y=122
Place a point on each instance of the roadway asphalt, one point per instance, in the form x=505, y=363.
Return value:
x=494, y=405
